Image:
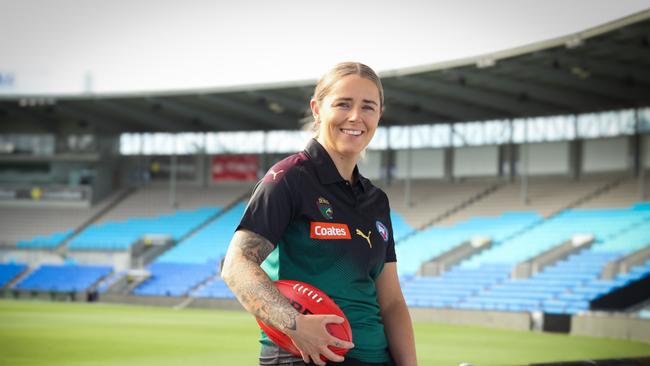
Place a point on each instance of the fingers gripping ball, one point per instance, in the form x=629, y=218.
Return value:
x=307, y=299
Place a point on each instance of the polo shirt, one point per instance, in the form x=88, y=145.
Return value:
x=329, y=233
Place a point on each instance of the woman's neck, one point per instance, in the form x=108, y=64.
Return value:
x=344, y=163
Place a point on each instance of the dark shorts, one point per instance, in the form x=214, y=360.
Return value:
x=278, y=357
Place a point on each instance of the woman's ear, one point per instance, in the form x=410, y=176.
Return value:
x=313, y=104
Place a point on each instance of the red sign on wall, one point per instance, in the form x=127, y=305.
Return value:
x=234, y=167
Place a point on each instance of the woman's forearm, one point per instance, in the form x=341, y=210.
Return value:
x=399, y=331
x=397, y=320
x=252, y=286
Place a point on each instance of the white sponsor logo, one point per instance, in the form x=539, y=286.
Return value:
x=330, y=231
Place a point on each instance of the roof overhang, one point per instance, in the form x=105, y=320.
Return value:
x=604, y=68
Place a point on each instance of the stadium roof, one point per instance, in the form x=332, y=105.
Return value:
x=604, y=68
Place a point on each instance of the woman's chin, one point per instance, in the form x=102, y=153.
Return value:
x=351, y=151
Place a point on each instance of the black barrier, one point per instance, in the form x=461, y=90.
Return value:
x=624, y=297
x=559, y=323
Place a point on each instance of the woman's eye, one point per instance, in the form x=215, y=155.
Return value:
x=343, y=104
x=369, y=107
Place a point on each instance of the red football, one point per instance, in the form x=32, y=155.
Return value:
x=307, y=299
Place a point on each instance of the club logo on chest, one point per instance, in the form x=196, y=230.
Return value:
x=325, y=208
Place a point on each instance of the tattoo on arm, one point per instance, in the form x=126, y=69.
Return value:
x=252, y=286
x=254, y=247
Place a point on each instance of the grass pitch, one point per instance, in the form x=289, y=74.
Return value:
x=53, y=334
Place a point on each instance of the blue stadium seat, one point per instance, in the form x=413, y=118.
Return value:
x=434, y=241
x=567, y=287
x=175, y=279
x=210, y=243
x=604, y=224
x=63, y=278
x=400, y=226
x=46, y=241
x=9, y=271
x=215, y=288
x=452, y=287
x=120, y=235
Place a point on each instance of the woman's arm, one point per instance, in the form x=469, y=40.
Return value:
x=257, y=293
x=397, y=320
x=253, y=288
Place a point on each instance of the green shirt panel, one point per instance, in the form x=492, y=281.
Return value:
x=325, y=265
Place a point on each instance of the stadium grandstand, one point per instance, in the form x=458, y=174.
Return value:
x=517, y=180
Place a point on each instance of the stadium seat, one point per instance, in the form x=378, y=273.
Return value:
x=215, y=288
x=120, y=235
x=483, y=282
x=45, y=241
x=434, y=241
x=209, y=243
x=9, y=271
x=63, y=278
x=175, y=279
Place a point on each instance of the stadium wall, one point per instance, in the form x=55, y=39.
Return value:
x=370, y=166
x=492, y=319
x=44, y=295
x=425, y=163
x=609, y=325
x=164, y=301
x=606, y=155
x=476, y=161
x=549, y=158
x=202, y=303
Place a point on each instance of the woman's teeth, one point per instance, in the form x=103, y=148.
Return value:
x=351, y=132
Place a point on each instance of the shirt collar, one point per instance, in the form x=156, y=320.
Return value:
x=325, y=168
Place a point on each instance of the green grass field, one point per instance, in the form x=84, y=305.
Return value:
x=44, y=333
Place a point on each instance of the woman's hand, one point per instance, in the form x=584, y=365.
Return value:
x=312, y=338
x=257, y=293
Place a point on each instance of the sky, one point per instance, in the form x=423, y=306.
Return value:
x=98, y=46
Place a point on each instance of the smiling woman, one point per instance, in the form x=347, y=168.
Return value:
x=347, y=104
x=350, y=256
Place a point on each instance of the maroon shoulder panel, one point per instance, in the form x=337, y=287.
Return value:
x=281, y=168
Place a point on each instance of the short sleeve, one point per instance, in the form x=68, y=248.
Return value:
x=390, y=245
x=270, y=209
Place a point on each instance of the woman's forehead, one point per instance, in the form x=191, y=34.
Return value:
x=355, y=86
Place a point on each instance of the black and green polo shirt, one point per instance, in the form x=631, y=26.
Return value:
x=329, y=233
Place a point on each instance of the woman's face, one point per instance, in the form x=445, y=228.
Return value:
x=348, y=115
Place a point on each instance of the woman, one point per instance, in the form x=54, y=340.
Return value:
x=319, y=221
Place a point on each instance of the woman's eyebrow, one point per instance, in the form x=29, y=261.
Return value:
x=343, y=99
x=350, y=99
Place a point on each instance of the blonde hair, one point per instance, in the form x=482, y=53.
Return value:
x=338, y=72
